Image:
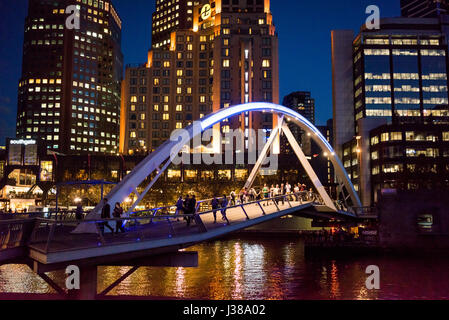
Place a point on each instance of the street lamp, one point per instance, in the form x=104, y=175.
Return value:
x=77, y=200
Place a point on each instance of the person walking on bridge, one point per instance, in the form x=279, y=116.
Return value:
x=117, y=213
x=191, y=208
x=105, y=214
x=179, y=207
x=79, y=212
x=224, y=205
x=233, y=202
x=185, y=209
x=265, y=192
x=215, y=206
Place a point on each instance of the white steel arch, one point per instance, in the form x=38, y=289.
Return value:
x=159, y=160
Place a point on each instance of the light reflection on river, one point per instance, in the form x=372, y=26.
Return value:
x=261, y=269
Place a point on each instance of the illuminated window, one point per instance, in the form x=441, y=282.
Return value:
x=445, y=136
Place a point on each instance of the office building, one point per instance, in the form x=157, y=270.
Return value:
x=301, y=102
x=228, y=57
x=169, y=16
x=399, y=77
x=304, y=104
x=69, y=91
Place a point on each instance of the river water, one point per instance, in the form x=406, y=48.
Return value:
x=268, y=268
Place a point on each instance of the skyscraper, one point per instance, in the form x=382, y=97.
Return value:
x=168, y=17
x=424, y=8
x=304, y=104
x=229, y=56
x=69, y=92
x=395, y=108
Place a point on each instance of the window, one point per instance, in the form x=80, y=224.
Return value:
x=396, y=136
x=392, y=168
x=445, y=136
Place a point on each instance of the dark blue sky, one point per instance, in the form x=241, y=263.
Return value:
x=303, y=26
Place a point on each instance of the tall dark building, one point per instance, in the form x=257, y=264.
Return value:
x=301, y=102
x=69, y=92
x=304, y=104
x=424, y=8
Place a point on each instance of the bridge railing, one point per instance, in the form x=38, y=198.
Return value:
x=50, y=235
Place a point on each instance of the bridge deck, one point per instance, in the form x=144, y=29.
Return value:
x=62, y=245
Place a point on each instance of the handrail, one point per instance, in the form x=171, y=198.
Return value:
x=162, y=217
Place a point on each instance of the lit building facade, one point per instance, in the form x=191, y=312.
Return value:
x=402, y=156
x=228, y=57
x=399, y=76
x=69, y=92
x=170, y=16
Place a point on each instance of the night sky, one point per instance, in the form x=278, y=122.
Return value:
x=303, y=27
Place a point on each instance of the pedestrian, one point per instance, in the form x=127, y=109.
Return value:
x=191, y=209
x=252, y=195
x=105, y=214
x=296, y=192
x=265, y=192
x=242, y=196
x=282, y=192
x=276, y=193
x=179, y=207
x=185, y=209
x=215, y=206
x=233, y=202
x=117, y=213
x=79, y=212
x=288, y=190
x=224, y=205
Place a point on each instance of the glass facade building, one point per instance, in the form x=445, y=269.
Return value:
x=401, y=73
x=400, y=78
x=69, y=92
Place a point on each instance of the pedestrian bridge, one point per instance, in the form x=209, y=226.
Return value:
x=62, y=240
x=52, y=241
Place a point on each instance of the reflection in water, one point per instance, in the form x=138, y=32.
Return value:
x=261, y=269
x=180, y=282
x=335, y=287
